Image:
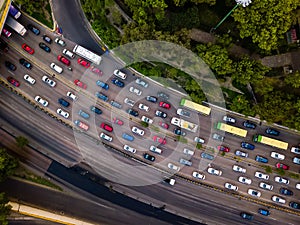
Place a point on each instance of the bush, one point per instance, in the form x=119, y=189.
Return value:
x=144, y=124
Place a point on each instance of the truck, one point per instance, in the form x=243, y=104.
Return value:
x=15, y=25
x=13, y=11
x=82, y=125
x=184, y=124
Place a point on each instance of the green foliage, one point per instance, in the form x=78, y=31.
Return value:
x=280, y=171
x=8, y=164
x=144, y=124
x=293, y=79
x=182, y=2
x=268, y=169
x=21, y=141
x=222, y=153
x=199, y=146
x=242, y=105
x=294, y=175
x=4, y=209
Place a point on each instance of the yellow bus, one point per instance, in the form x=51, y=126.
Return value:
x=270, y=141
x=194, y=106
x=231, y=129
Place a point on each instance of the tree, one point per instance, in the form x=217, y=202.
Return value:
x=7, y=164
x=21, y=141
x=4, y=209
x=293, y=79
x=182, y=2
x=242, y=105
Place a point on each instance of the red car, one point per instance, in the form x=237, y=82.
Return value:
x=163, y=125
x=63, y=60
x=96, y=70
x=106, y=127
x=83, y=63
x=160, y=140
x=165, y=105
x=6, y=32
x=27, y=49
x=13, y=81
x=223, y=148
x=117, y=121
x=282, y=166
x=80, y=84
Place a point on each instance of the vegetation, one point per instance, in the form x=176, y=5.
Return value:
x=280, y=171
x=144, y=124
x=4, y=209
x=294, y=175
x=268, y=169
x=21, y=141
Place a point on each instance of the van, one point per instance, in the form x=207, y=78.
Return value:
x=105, y=137
x=155, y=149
x=68, y=53
x=120, y=74
x=185, y=162
x=188, y=151
x=56, y=68
x=83, y=114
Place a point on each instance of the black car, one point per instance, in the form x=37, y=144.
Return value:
x=163, y=95
x=246, y=216
x=272, y=131
x=63, y=102
x=133, y=112
x=44, y=47
x=285, y=191
x=117, y=82
x=25, y=63
x=160, y=114
x=33, y=29
x=10, y=66
x=3, y=46
x=178, y=131
x=149, y=157
x=248, y=124
x=96, y=110
x=151, y=99
x=295, y=205
x=47, y=39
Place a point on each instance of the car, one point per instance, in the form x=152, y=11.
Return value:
x=160, y=140
x=170, y=181
x=68, y=53
x=247, y=145
x=138, y=131
x=106, y=127
x=13, y=81
x=207, y=156
x=63, y=102
x=163, y=95
x=28, y=49
x=199, y=140
x=223, y=148
x=129, y=102
x=281, y=180
x=188, y=151
x=282, y=166
x=285, y=191
x=56, y=68
x=272, y=131
x=231, y=186
x=135, y=91
x=155, y=149
x=127, y=137
x=106, y=137
x=141, y=82
x=117, y=121
x=238, y=168
x=296, y=160
x=25, y=63
x=241, y=153
x=83, y=114
x=84, y=63
x=132, y=112
x=295, y=150
x=149, y=157
x=95, y=70
x=163, y=125
x=254, y=192
x=297, y=186
x=261, y=175
x=101, y=96
x=185, y=162
x=144, y=107
x=46, y=79
x=277, y=155
x=182, y=112
x=62, y=113
x=246, y=216
x=266, y=186
x=173, y=167
x=164, y=105
x=178, y=131
x=214, y=171
x=72, y=96
x=244, y=180
x=129, y=149
x=120, y=74
x=249, y=124
x=278, y=199
x=147, y=120
x=102, y=84
x=41, y=100
x=218, y=137
x=229, y=119
x=80, y=84
x=151, y=99
x=161, y=114
x=96, y=110
x=10, y=66
x=295, y=205
x=29, y=79
x=117, y=82
x=85, y=127
x=60, y=42
x=33, y=29
x=47, y=39
x=198, y=175
x=263, y=212
x=116, y=104
x=45, y=47
x=6, y=32
x=261, y=159
x=64, y=60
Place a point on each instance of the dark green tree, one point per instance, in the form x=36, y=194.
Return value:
x=4, y=209
x=242, y=105
x=21, y=141
x=293, y=79
x=8, y=164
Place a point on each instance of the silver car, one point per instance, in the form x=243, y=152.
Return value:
x=141, y=82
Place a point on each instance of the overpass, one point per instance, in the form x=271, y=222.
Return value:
x=4, y=7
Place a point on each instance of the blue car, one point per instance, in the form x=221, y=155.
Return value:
x=116, y=104
x=101, y=96
x=132, y=112
x=263, y=212
x=102, y=84
x=272, y=131
x=83, y=114
x=25, y=63
x=261, y=159
x=127, y=137
x=249, y=124
x=207, y=156
x=117, y=82
x=247, y=145
x=96, y=110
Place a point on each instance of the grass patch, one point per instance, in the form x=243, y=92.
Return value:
x=268, y=169
x=182, y=139
x=154, y=128
x=199, y=146
x=144, y=124
x=280, y=171
x=294, y=175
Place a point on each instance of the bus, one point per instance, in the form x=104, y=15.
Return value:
x=184, y=124
x=15, y=25
x=14, y=12
x=231, y=129
x=194, y=106
x=270, y=141
x=87, y=54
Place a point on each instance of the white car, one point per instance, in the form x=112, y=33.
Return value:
x=199, y=140
x=120, y=74
x=245, y=180
x=137, y=131
x=281, y=180
x=228, y=119
x=254, y=192
x=261, y=175
x=198, y=175
x=56, y=68
x=60, y=42
x=239, y=169
x=298, y=186
x=41, y=101
x=296, y=160
x=48, y=81
x=147, y=120
x=106, y=137
x=129, y=102
x=278, y=156
x=231, y=186
x=72, y=96
x=29, y=79
x=129, y=149
x=173, y=167
x=266, y=186
x=278, y=199
x=295, y=150
x=144, y=107
x=188, y=151
x=135, y=91
x=214, y=171
x=141, y=82
x=63, y=113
